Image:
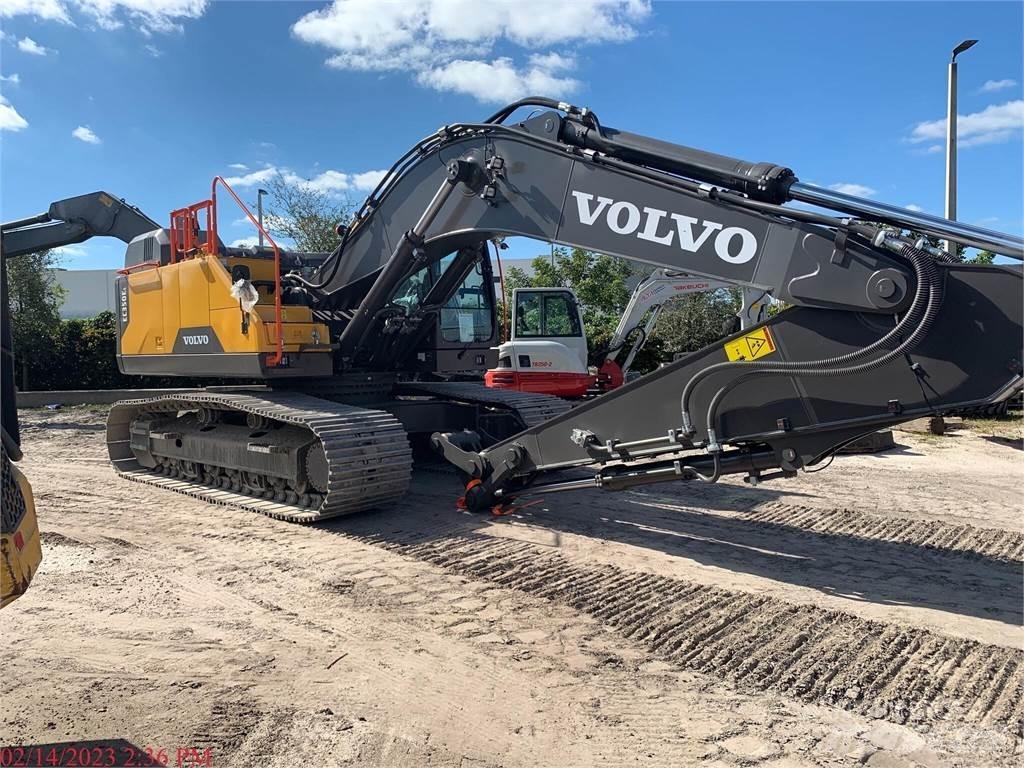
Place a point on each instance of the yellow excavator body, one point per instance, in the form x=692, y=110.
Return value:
x=182, y=319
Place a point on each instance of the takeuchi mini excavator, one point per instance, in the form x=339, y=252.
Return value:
x=547, y=351
x=379, y=348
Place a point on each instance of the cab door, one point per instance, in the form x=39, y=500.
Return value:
x=547, y=331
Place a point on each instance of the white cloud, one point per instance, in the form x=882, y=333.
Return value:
x=12, y=79
x=153, y=51
x=245, y=242
x=238, y=167
x=500, y=80
x=997, y=85
x=994, y=124
x=28, y=45
x=252, y=179
x=84, y=133
x=10, y=120
x=148, y=16
x=47, y=10
x=368, y=181
x=446, y=44
x=329, y=182
x=914, y=207
x=857, y=190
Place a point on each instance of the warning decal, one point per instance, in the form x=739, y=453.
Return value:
x=751, y=346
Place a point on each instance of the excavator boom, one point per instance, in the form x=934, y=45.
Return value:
x=882, y=328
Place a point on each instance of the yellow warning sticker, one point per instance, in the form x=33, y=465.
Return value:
x=751, y=346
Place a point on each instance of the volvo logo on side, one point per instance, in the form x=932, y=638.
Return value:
x=196, y=340
x=734, y=245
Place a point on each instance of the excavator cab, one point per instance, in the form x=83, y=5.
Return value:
x=461, y=341
x=547, y=348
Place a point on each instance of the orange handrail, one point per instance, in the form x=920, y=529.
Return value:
x=185, y=228
x=278, y=355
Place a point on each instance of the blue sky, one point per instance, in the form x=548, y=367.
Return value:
x=148, y=99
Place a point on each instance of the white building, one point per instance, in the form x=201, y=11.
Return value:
x=87, y=292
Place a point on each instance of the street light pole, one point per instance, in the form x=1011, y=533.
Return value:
x=259, y=211
x=949, y=245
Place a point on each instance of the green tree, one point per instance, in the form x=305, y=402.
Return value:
x=305, y=215
x=982, y=257
x=35, y=300
x=692, y=322
x=88, y=352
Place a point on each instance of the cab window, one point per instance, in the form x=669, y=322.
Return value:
x=528, y=314
x=546, y=314
x=466, y=317
x=560, y=316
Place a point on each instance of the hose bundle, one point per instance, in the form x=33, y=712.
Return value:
x=907, y=333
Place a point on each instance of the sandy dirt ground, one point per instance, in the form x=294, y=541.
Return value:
x=869, y=614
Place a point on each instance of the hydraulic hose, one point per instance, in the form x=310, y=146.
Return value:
x=542, y=101
x=929, y=287
x=530, y=101
x=388, y=180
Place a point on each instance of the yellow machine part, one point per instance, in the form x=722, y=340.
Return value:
x=187, y=308
x=19, y=537
x=196, y=293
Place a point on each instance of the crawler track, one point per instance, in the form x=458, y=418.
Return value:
x=532, y=408
x=369, y=461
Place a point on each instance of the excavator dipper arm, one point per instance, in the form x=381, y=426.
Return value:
x=68, y=221
x=75, y=220
x=880, y=329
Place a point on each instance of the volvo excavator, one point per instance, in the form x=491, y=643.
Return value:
x=377, y=349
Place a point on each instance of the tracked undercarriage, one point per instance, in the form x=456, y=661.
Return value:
x=285, y=454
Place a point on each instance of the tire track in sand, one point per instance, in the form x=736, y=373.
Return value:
x=900, y=673
x=928, y=534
